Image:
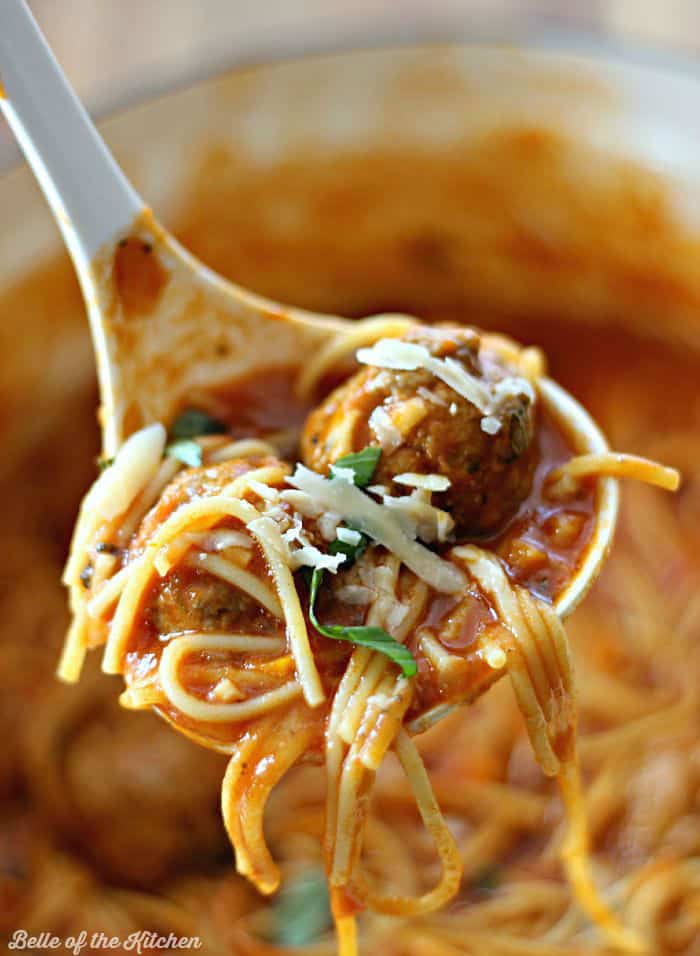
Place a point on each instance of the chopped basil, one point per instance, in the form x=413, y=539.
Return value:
x=186, y=451
x=373, y=637
x=104, y=463
x=301, y=912
x=193, y=422
x=362, y=463
x=187, y=426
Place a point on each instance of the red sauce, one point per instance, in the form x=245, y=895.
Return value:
x=547, y=540
x=468, y=626
x=138, y=276
x=264, y=403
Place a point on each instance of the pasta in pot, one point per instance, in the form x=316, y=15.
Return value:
x=281, y=615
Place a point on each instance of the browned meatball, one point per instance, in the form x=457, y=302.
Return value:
x=198, y=602
x=425, y=426
x=191, y=484
x=189, y=599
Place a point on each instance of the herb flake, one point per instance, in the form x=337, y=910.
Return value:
x=362, y=463
x=376, y=638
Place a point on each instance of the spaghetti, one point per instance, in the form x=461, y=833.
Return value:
x=194, y=582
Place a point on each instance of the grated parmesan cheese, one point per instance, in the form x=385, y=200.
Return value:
x=226, y=691
x=295, y=532
x=377, y=522
x=291, y=544
x=348, y=536
x=347, y=474
x=408, y=356
x=301, y=502
x=310, y=557
x=385, y=431
x=419, y=518
x=490, y=425
x=382, y=701
x=429, y=482
x=328, y=523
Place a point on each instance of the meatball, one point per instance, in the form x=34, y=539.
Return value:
x=191, y=484
x=198, y=603
x=189, y=599
x=425, y=426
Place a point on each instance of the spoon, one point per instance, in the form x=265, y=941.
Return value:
x=163, y=325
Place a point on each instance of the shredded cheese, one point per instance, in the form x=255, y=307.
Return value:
x=310, y=557
x=347, y=474
x=328, y=526
x=377, y=522
x=419, y=518
x=301, y=502
x=429, y=482
x=226, y=691
x=486, y=396
x=348, y=536
x=491, y=425
x=385, y=431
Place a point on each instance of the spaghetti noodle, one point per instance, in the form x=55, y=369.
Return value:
x=192, y=582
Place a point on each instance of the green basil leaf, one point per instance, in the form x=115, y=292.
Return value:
x=375, y=638
x=301, y=911
x=362, y=463
x=193, y=422
x=186, y=451
x=104, y=463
